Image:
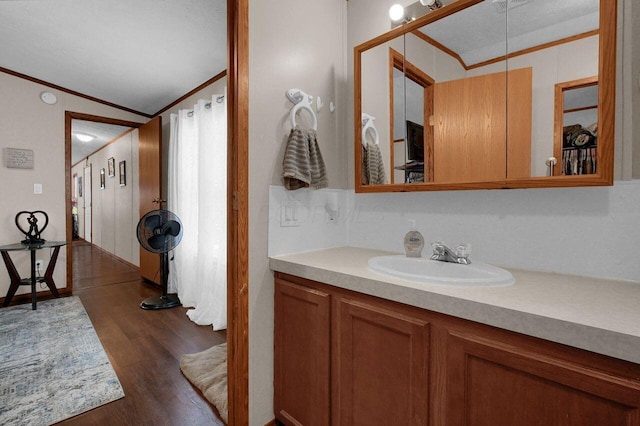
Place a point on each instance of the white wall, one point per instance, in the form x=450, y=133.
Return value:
x=293, y=44
x=28, y=123
x=317, y=228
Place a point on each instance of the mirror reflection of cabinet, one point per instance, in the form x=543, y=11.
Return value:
x=473, y=123
x=554, y=42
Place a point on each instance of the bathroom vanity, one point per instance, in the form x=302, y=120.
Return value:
x=355, y=347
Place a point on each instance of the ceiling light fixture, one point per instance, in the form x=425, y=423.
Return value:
x=48, y=98
x=84, y=137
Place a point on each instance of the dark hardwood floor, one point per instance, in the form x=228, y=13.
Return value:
x=143, y=346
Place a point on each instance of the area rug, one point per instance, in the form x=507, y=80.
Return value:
x=52, y=364
x=207, y=370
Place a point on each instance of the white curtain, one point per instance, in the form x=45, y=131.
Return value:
x=198, y=195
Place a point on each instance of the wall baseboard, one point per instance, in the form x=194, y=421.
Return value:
x=116, y=257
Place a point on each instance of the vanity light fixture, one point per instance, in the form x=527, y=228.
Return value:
x=396, y=12
x=431, y=4
x=401, y=15
x=84, y=137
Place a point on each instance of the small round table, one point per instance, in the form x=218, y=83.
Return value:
x=16, y=281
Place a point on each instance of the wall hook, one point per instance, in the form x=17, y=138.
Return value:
x=301, y=100
x=296, y=96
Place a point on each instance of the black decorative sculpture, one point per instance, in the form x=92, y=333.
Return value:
x=33, y=234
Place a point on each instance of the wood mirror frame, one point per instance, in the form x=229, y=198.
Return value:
x=606, y=111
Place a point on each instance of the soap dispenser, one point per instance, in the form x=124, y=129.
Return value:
x=413, y=241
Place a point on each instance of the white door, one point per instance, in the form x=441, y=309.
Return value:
x=87, y=203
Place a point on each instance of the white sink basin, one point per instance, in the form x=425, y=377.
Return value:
x=425, y=270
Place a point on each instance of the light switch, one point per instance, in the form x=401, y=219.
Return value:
x=37, y=188
x=290, y=213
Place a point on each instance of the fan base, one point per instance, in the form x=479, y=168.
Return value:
x=161, y=302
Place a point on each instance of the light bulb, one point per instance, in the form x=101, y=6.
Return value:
x=396, y=12
x=431, y=4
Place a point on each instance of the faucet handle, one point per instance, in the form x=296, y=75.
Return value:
x=438, y=247
x=463, y=250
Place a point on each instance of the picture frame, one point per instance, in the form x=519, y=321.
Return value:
x=102, y=178
x=79, y=186
x=111, y=166
x=122, y=166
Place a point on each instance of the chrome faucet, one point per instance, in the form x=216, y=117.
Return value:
x=444, y=254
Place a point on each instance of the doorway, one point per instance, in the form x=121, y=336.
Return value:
x=237, y=206
x=411, y=99
x=92, y=214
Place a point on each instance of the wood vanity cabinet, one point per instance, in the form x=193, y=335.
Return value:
x=344, y=358
x=302, y=355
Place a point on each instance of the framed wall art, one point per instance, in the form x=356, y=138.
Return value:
x=123, y=173
x=111, y=165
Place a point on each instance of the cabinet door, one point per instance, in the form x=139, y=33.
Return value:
x=495, y=383
x=381, y=357
x=475, y=135
x=302, y=339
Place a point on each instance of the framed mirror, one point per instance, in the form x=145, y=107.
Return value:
x=484, y=94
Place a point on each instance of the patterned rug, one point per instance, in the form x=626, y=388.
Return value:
x=52, y=364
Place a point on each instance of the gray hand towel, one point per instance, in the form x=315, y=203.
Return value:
x=372, y=165
x=303, y=165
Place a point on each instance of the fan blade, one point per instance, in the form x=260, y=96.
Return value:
x=172, y=228
x=153, y=222
x=157, y=242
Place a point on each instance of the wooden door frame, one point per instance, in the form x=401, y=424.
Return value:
x=397, y=61
x=558, y=115
x=69, y=116
x=238, y=211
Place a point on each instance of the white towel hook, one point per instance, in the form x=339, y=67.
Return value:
x=301, y=100
x=367, y=124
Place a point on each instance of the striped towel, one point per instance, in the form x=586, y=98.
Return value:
x=372, y=165
x=303, y=165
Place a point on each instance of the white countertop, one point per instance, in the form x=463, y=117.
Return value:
x=601, y=316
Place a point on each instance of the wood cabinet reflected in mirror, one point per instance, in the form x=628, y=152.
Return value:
x=482, y=96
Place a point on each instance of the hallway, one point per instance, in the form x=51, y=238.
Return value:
x=144, y=346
